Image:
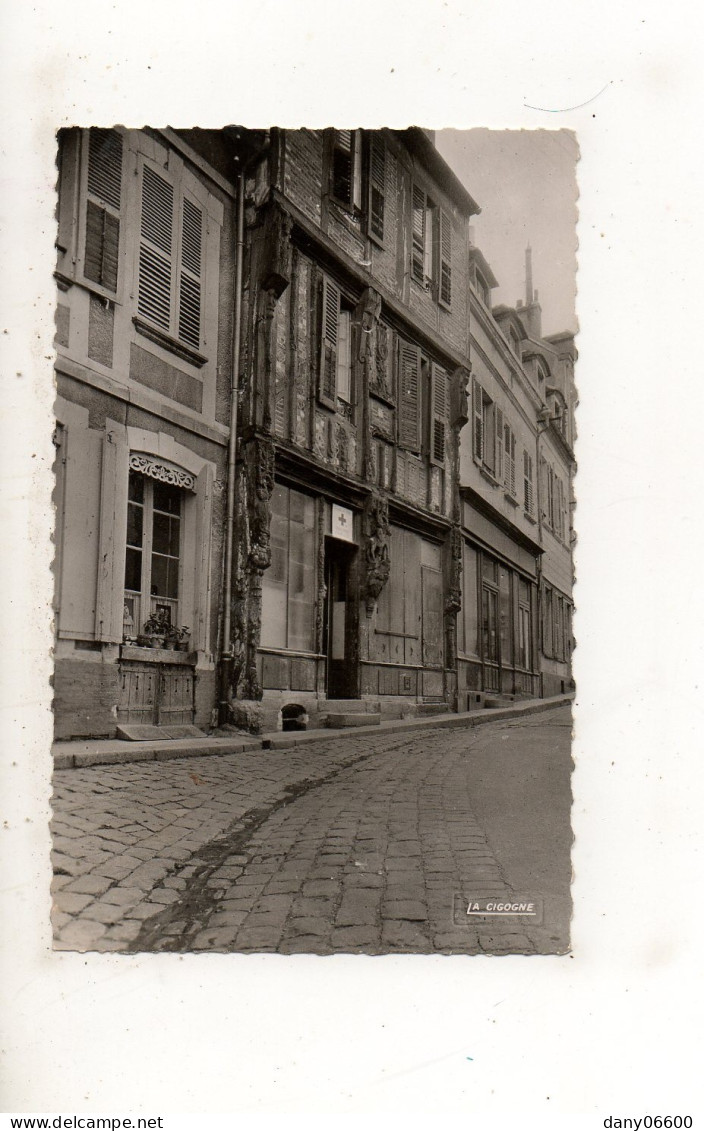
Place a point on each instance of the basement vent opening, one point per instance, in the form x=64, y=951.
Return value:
x=294, y=717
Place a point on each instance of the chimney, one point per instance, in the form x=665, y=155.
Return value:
x=532, y=307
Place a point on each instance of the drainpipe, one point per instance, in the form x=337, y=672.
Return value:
x=227, y=654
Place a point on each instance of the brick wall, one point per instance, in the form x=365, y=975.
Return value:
x=303, y=170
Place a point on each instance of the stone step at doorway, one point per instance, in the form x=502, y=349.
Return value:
x=144, y=733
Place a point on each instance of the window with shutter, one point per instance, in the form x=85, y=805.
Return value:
x=104, y=196
x=329, y=330
x=377, y=187
x=445, y=265
x=478, y=415
x=408, y=396
x=438, y=415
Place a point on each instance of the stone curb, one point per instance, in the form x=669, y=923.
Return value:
x=106, y=752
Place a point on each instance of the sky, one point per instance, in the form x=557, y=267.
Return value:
x=525, y=184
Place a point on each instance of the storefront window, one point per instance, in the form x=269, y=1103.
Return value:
x=469, y=619
x=505, y=618
x=524, y=625
x=288, y=585
x=489, y=617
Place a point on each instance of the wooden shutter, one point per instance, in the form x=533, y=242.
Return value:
x=527, y=482
x=189, y=317
x=499, y=462
x=329, y=326
x=418, y=235
x=543, y=483
x=342, y=171
x=438, y=414
x=377, y=187
x=155, y=248
x=478, y=415
x=408, y=396
x=104, y=188
x=509, y=460
x=445, y=260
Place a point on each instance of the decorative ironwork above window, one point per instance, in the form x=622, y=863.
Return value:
x=165, y=472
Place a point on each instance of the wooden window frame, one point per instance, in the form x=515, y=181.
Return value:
x=146, y=601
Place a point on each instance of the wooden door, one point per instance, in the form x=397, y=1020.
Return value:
x=341, y=673
x=156, y=694
x=138, y=693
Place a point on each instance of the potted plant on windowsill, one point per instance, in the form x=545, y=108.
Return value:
x=171, y=638
x=155, y=628
x=183, y=642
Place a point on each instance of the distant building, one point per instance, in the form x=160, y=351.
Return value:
x=516, y=470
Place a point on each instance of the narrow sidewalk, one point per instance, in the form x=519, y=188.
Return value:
x=104, y=752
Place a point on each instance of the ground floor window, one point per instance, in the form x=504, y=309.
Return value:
x=557, y=631
x=468, y=621
x=525, y=652
x=496, y=622
x=288, y=586
x=153, y=552
x=409, y=623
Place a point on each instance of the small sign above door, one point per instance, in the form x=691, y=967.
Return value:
x=342, y=525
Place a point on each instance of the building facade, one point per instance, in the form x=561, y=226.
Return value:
x=354, y=375
x=279, y=494
x=143, y=372
x=516, y=470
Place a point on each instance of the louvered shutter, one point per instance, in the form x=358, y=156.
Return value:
x=104, y=188
x=527, y=483
x=329, y=326
x=377, y=187
x=408, y=395
x=156, y=248
x=438, y=416
x=509, y=460
x=418, y=235
x=478, y=416
x=499, y=424
x=543, y=481
x=445, y=256
x=189, y=316
x=342, y=166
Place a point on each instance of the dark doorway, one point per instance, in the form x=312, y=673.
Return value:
x=341, y=670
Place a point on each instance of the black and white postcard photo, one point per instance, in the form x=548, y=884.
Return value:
x=314, y=529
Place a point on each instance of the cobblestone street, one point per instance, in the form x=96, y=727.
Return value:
x=358, y=844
